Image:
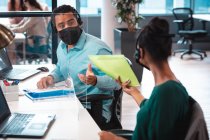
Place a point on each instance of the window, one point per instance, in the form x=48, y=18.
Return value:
x=69, y=2
x=85, y=7
x=90, y=7
x=3, y=5
x=46, y=5
x=151, y=7
x=202, y=6
x=166, y=6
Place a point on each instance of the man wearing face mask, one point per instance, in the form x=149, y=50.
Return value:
x=72, y=54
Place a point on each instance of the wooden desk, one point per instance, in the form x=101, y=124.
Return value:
x=70, y=124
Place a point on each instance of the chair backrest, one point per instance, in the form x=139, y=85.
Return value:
x=184, y=14
x=116, y=109
x=197, y=129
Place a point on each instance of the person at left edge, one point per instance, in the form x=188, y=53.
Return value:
x=72, y=54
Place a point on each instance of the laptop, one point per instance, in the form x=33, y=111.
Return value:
x=22, y=125
x=8, y=72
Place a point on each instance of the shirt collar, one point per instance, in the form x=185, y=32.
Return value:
x=81, y=41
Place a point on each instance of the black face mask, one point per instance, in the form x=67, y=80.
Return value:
x=70, y=35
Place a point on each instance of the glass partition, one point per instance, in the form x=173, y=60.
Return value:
x=32, y=43
x=19, y=5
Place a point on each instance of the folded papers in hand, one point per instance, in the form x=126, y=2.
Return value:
x=114, y=66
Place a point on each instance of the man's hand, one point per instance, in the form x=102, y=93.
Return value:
x=89, y=78
x=45, y=82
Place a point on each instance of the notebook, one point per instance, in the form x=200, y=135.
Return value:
x=8, y=72
x=22, y=125
x=115, y=66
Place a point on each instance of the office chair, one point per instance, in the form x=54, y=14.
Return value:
x=196, y=128
x=185, y=24
x=96, y=101
x=96, y=107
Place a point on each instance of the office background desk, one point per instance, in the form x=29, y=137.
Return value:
x=205, y=17
x=69, y=125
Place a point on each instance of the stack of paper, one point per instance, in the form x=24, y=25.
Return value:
x=114, y=66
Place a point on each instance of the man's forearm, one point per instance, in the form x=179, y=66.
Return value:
x=107, y=83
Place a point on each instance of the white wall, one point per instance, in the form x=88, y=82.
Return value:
x=108, y=23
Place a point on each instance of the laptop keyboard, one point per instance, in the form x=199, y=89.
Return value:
x=17, y=125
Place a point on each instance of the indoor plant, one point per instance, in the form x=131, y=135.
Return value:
x=125, y=38
x=127, y=12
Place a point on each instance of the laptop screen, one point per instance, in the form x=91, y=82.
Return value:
x=4, y=109
x=5, y=63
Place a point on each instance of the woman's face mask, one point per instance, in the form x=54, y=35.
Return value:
x=70, y=35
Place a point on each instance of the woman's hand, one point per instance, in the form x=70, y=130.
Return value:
x=104, y=135
x=127, y=88
x=133, y=91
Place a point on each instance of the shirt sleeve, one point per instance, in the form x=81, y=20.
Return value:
x=57, y=76
x=107, y=83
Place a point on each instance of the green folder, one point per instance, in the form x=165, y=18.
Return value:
x=114, y=66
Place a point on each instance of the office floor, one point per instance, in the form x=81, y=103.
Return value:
x=194, y=75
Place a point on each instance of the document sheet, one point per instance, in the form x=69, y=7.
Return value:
x=114, y=66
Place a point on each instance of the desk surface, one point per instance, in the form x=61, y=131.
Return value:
x=205, y=17
x=70, y=123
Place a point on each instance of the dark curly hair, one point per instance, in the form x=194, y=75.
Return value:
x=65, y=9
x=156, y=40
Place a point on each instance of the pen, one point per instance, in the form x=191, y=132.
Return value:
x=6, y=83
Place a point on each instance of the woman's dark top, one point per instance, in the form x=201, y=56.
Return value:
x=163, y=115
